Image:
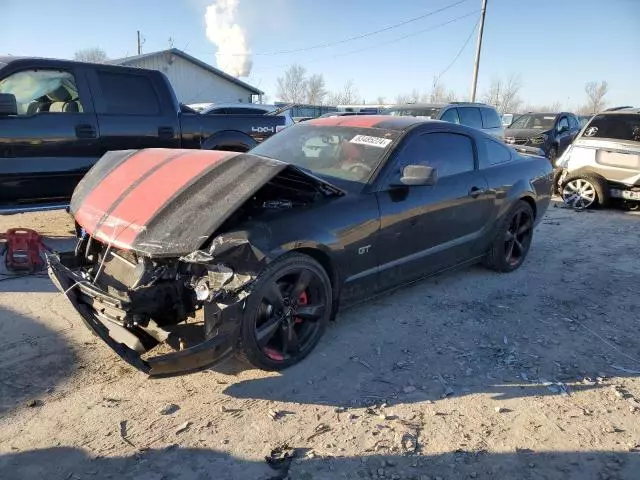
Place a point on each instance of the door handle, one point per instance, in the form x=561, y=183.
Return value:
x=165, y=133
x=475, y=192
x=84, y=130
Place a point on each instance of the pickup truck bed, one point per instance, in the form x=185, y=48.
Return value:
x=68, y=114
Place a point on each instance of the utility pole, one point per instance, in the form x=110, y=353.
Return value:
x=140, y=45
x=476, y=66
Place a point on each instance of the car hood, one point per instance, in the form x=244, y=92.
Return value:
x=524, y=132
x=164, y=203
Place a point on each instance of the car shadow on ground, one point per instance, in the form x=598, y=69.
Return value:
x=33, y=360
x=507, y=343
x=190, y=463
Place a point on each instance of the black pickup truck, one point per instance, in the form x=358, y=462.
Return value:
x=58, y=117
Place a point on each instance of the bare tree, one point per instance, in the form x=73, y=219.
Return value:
x=292, y=87
x=316, y=91
x=414, y=96
x=542, y=108
x=451, y=96
x=504, y=95
x=380, y=100
x=595, y=96
x=438, y=92
x=402, y=98
x=349, y=93
x=92, y=55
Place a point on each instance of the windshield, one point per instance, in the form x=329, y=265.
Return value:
x=347, y=153
x=426, y=112
x=539, y=121
x=619, y=127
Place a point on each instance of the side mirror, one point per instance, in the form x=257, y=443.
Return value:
x=415, y=175
x=563, y=129
x=8, y=104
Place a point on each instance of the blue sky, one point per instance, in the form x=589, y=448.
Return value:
x=555, y=46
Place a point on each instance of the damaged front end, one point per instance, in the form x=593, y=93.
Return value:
x=162, y=316
x=166, y=258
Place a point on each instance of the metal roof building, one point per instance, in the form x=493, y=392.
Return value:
x=193, y=80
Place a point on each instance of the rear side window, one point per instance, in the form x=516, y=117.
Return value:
x=490, y=118
x=470, y=117
x=128, y=94
x=450, y=115
x=496, y=152
x=616, y=126
x=449, y=153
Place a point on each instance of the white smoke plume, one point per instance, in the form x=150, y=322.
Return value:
x=233, y=55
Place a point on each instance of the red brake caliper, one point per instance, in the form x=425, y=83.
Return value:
x=302, y=300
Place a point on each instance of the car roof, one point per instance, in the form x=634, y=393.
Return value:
x=439, y=105
x=257, y=106
x=629, y=110
x=386, y=122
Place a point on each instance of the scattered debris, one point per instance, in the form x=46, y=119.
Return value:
x=183, y=428
x=34, y=403
x=500, y=410
x=280, y=459
x=169, y=409
x=273, y=414
x=409, y=443
x=123, y=432
x=319, y=430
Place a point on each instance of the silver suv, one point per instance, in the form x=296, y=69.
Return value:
x=477, y=115
x=602, y=165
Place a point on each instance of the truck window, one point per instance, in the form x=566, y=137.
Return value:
x=128, y=94
x=38, y=91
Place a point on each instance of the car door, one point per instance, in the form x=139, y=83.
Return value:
x=131, y=111
x=425, y=229
x=54, y=139
x=564, y=136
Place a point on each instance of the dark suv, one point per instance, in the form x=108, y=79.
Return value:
x=477, y=115
x=550, y=132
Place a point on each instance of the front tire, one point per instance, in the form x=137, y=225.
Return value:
x=286, y=314
x=512, y=240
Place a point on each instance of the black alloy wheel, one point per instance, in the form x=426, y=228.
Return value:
x=513, y=239
x=287, y=313
x=517, y=239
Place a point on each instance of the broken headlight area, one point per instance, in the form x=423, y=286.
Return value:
x=191, y=306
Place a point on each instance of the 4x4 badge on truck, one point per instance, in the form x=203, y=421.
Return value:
x=591, y=131
x=263, y=129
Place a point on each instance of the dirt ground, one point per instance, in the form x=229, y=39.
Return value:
x=530, y=375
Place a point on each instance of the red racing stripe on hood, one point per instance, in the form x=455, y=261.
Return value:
x=115, y=184
x=123, y=224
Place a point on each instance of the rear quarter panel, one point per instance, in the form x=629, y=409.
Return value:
x=524, y=177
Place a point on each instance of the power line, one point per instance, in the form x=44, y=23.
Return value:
x=350, y=39
x=395, y=40
x=466, y=42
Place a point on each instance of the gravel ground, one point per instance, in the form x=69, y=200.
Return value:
x=529, y=375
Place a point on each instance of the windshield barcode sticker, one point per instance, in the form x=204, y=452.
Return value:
x=371, y=141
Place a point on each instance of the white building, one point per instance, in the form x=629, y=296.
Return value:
x=193, y=80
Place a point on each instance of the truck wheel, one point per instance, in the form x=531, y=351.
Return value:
x=584, y=191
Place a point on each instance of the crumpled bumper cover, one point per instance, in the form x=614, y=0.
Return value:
x=205, y=354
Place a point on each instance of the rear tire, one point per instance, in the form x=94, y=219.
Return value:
x=575, y=191
x=512, y=240
x=297, y=326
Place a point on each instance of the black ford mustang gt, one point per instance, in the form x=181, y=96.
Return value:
x=202, y=254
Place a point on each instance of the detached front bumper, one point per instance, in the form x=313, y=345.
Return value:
x=86, y=298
